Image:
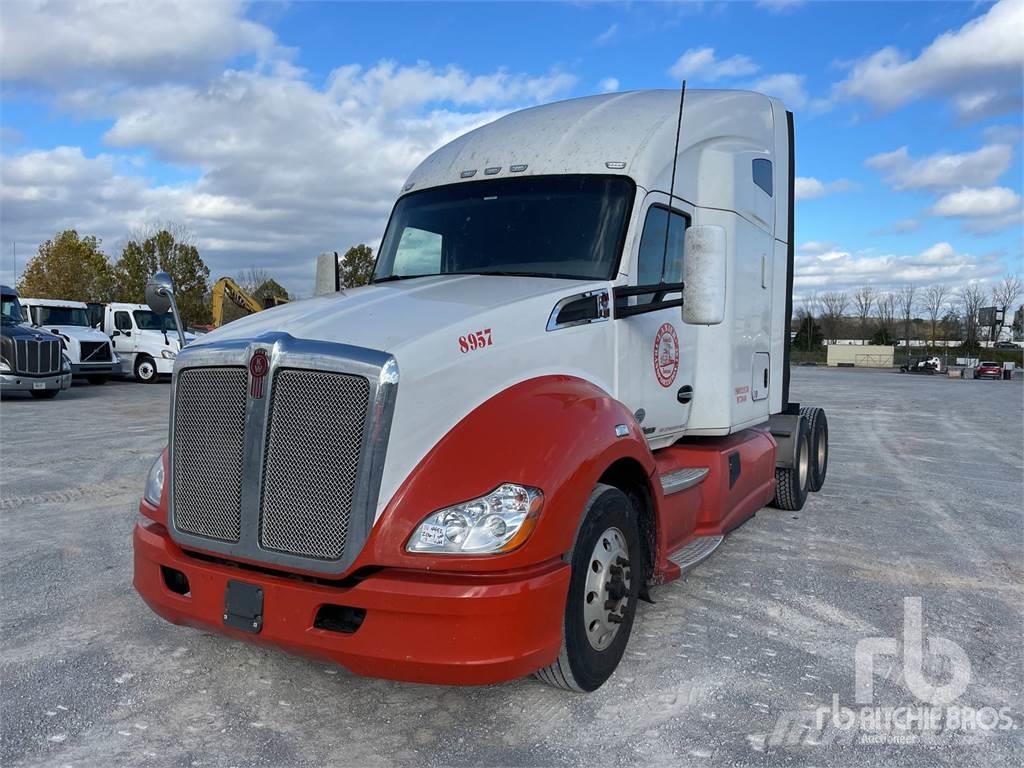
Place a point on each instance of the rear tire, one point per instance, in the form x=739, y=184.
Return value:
x=97, y=379
x=791, y=484
x=45, y=394
x=607, y=571
x=145, y=370
x=817, y=423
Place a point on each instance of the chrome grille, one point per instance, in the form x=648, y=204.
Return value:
x=209, y=440
x=37, y=358
x=311, y=461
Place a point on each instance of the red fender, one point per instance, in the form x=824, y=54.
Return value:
x=556, y=433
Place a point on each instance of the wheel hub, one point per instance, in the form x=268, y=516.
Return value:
x=606, y=597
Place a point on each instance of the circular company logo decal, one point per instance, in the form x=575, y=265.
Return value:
x=666, y=355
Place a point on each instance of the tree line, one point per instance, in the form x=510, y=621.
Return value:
x=936, y=312
x=75, y=267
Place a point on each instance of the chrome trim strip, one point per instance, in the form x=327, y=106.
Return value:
x=681, y=479
x=285, y=351
x=603, y=308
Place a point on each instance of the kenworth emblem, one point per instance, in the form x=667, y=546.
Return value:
x=258, y=367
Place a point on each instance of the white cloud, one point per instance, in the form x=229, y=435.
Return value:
x=978, y=66
x=607, y=36
x=788, y=87
x=609, y=85
x=809, y=188
x=1003, y=134
x=76, y=41
x=838, y=269
x=702, y=63
x=973, y=202
x=943, y=170
x=816, y=247
x=284, y=168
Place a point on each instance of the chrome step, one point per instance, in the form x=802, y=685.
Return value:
x=681, y=479
x=696, y=552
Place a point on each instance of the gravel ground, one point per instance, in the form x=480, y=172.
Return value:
x=923, y=499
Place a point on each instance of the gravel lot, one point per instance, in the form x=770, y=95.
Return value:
x=923, y=499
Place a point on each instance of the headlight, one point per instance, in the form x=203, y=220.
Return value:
x=168, y=354
x=4, y=366
x=66, y=365
x=155, y=482
x=492, y=524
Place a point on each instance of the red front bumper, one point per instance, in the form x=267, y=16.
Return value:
x=452, y=629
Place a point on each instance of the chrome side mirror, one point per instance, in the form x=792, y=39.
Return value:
x=160, y=298
x=704, y=275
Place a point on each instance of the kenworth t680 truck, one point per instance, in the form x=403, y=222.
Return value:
x=566, y=384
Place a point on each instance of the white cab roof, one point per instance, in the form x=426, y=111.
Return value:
x=55, y=303
x=637, y=129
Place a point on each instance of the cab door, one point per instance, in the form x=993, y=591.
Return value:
x=124, y=339
x=655, y=348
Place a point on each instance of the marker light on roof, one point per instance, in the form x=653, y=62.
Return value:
x=468, y=174
x=517, y=168
x=492, y=170
x=615, y=165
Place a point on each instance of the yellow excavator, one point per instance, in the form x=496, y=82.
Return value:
x=226, y=287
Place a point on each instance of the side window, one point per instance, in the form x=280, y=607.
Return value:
x=655, y=264
x=122, y=321
x=762, y=170
x=418, y=253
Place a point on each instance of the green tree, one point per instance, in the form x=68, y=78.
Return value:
x=809, y=335
x=169, y=249
x=69, y=267
x=357, y=266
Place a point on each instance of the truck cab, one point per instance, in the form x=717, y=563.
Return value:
x=88, y=349
x=145, y=342
x=567, y=382
x=31, y=360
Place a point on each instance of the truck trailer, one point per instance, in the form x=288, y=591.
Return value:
x=566, y=384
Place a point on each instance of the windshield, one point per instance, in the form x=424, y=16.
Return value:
x=60, y=316
x=545, y=226
x=11, y=309
x=148, y=320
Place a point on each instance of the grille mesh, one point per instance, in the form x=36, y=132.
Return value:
x=311, y=461
x=209, y=437
x=95, y=352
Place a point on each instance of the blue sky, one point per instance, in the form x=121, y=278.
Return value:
x=275, y=131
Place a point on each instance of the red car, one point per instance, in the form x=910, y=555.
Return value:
x=988, y=371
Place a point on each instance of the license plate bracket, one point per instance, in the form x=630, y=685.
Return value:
x=243, y=607
x=38, y=385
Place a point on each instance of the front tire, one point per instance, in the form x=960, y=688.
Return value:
x=145, y=370
x=817, y=423
x=792, y=484
x=607, y=571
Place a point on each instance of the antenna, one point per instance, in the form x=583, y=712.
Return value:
x=672, y=184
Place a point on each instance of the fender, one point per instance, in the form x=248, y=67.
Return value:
x=557, y=433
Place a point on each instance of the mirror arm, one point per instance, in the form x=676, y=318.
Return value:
x=177, y=317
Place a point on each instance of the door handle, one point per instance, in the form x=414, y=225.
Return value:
x=685, y=394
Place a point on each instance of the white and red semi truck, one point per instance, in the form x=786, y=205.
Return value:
x=566, y=384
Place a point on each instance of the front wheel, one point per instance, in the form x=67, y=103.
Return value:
x=817, y=424
x=145, y=370
x=607, y=571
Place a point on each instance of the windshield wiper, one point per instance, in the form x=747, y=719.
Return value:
x=392, y=278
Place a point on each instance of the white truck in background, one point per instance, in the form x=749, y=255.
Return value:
x=90, y=351
x=146, y=343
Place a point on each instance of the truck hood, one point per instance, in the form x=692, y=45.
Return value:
x=421, y=321
x=391, y=316
x=77, y=332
